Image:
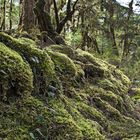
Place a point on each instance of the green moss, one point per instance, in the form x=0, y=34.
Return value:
x=40, y=62
x=15, y=74
x=86, y=57
x=123, y=78
x=89, y=127
x=63, y=64
x=80, y=73
x=62, y=49
x=92, y=104
x=108, y=85
x=27, y=41
x=103, y=69
x=92, y=113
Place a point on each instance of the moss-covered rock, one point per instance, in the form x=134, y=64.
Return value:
x=62, y=49
x=63, y=63
x=92, y=104
x=40, y=61
x=15, y=75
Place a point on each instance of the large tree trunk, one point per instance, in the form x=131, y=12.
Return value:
x=44, y=21
x=27, y=19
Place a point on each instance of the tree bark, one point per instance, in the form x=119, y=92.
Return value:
x=27, y=19
x=4, y=16
x=10, y=14
x=69, y=14
x=56, y=13
x=44, y=21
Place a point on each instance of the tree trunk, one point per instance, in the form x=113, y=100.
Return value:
x=4, y=16
x=10, y=14
x=44, y=21
x=27, y=19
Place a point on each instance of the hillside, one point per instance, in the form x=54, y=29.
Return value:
x=60, y=93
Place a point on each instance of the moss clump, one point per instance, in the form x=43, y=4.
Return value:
x=15, y=74
x=27, y=41
x=33, y=119
x=63, y=64
x=62, y=49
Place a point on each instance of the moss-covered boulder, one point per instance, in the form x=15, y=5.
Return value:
x=63, y=63
x=16, y=77
x=40, y=62
x=84, y=98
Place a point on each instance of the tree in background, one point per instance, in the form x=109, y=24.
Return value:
x=27, y=18
x=9, y=14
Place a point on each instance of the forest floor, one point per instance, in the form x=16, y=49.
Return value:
x=59, y=93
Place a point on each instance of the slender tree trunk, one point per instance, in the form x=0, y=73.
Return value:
x=112, y=28
x=56, y=13
x=126, y=38
x=10, y=14
x=69, y=14
x=4, y=16
x=44, y=19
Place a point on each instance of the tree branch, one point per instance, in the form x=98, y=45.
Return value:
x=68, y=16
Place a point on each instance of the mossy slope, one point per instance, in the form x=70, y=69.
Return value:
x=76, y=96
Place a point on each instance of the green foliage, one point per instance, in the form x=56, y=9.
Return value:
x=131, y=66
x=74, y=38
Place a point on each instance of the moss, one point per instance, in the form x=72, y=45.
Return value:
x=80, y=73
x=62, y=49
x=135, y=93
x=15, y=74
x=90, y=129
x=127, y=130
x=34, y=119
x=86, y=57
x=93, y=71
x=92, y=113
x=109, y=97
x=63, y=64
x=123, y=78
x=40, y=62
x=108, y=85
x=27, y=41
x=92, y=103
x=103, y=68
x=109, y=111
